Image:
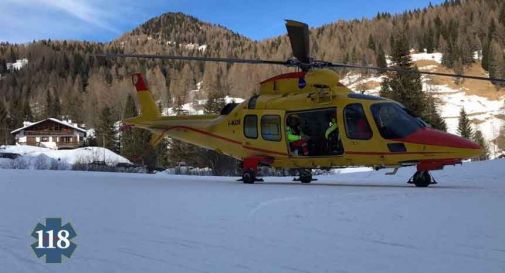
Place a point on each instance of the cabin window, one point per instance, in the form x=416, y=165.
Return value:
x=44, y=139
x=356, y=124
x=393, y=121
x=271, y=127
x=251, y=126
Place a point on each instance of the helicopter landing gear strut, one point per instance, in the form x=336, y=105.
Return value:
x=305, y=176
x=250, y=168
x=422, y=179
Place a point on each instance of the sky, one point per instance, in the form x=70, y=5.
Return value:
x=105, y=20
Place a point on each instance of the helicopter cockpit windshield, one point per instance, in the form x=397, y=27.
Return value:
x=393, y=121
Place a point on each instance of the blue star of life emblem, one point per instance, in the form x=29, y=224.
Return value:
x=54, y=240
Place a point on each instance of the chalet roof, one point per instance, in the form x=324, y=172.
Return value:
x=51, y=119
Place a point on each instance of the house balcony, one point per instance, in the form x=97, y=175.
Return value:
x=47, y=133
x=68, y=145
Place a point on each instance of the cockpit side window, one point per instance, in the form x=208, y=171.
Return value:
x=393, y=121
x=356, y=124
x=252, y=102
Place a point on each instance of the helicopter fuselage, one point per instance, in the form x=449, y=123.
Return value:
x=255, y=131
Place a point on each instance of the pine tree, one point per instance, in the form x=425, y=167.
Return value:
x=479, y=139
x=3, y=66
x=464, y=127
x=404, y=87
x=27, y=111
x=128, y=147
x=106, y=131
x=381, y=59
x=495, y=61
x=371, y=42
x=4, y=127
x=458, y=70
x=485, y=55
x=429, y=42
x=49, y=105
x=56, y=108
x=432, y=115
x=215, y=103
x=501, y=17
x=3, y=113
x=500, y=140
x=491, y=32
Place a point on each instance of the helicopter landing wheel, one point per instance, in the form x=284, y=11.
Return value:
x=249, y=177
x=422, y=179
x=305, y=175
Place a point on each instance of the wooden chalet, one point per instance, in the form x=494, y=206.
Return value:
x=50, y=133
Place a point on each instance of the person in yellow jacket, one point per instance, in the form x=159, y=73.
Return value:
x=297, y=141
x=331, y=128
x=332, y=136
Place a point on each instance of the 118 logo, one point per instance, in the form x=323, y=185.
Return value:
x=54, y=240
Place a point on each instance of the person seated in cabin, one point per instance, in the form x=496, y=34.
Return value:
x=296, y=139
x=363, y=129
x=332, y=135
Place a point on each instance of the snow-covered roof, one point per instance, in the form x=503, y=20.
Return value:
x=52, y=119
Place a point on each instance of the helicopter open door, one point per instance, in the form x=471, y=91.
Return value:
x=263, y=132
x=314, y=132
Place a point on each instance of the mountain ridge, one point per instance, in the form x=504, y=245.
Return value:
x=84, y=84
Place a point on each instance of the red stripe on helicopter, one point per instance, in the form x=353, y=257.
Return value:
x=225, y=139
x=381, y=153
x=292, y=75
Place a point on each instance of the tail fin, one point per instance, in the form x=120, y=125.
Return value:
x=148, y=108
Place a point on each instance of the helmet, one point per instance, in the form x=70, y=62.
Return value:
x=293, y=119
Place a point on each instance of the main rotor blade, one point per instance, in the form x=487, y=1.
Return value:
x=298, y=33
x=401, y=70
x=191, y=58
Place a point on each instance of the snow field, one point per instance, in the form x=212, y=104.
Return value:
x=356, y=220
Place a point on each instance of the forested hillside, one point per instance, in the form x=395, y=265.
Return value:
x=65, y=78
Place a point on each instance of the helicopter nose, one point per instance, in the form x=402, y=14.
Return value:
x=431, y=136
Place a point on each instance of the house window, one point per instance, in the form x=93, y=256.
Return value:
x=66, y=139
x=356, y=124
x=44, y=139
x=251, y=126
x=271, y=127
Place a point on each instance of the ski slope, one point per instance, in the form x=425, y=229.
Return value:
x=353, y=221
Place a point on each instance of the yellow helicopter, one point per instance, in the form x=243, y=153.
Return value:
x=307, y=120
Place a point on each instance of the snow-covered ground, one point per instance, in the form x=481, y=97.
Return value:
x=353, y=221
x=17, y=65
x=44, y=158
